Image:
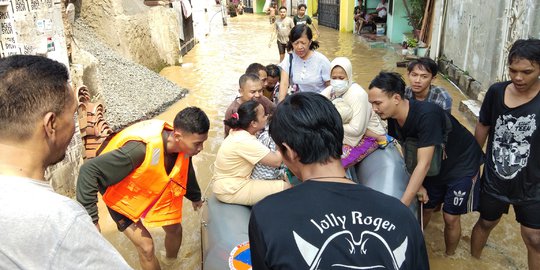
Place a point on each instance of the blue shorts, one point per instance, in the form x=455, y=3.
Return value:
x=459, y=196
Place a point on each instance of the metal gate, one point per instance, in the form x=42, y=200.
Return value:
x=328, y=13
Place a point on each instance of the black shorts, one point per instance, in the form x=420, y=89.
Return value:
x=281, y=47
x=122, y=222
x=492, y=209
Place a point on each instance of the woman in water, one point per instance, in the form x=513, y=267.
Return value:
x=310, y=70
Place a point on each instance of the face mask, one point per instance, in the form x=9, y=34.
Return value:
x=339, y=86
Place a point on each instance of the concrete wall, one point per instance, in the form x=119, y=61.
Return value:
x=474, y=47
x=472, y=39
x=148, y=36
x=37, y=28
x=397, y=23
x=346, y=16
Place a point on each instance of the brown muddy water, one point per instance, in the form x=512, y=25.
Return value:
x=211, y=71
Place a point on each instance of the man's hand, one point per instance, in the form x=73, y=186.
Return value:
x=196, y=205
x=422, y=195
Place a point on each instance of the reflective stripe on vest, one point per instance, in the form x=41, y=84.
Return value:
x=148, y=189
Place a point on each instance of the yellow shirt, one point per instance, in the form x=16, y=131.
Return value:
x=235, y=161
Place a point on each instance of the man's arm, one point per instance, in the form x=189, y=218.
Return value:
x=480, y=133
x=424, y=156
x=193, y=191
x=283, y=83
x=106, y=170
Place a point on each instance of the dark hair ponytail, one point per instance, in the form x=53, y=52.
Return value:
x=246, y=113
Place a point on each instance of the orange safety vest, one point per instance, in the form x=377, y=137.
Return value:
x=148, y=188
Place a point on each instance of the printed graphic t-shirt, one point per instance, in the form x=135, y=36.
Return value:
x=304, y=20
x=511, y=171
x=321, y=225
x=283, y=28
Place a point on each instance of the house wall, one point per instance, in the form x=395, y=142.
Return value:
x=472, y=40
x=346, y=16
x=474, y=47
x=35, y=27
x=396, y=23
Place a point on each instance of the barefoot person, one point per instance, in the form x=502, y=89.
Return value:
x=144, y=173
x=441, y=155
x=509, y=120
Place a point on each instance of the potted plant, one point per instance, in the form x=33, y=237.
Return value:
x=415, y=13
x=412, y=44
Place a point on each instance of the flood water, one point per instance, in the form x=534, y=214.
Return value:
x=211, y=71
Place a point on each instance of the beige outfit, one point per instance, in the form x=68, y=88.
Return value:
x=356, y=97
x=235, y=161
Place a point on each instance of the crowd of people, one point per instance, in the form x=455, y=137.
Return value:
x=442, y=157
x=292, y=135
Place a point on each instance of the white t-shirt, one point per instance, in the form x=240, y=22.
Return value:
x=311, y=74
x=382, y=12
x=41, y=229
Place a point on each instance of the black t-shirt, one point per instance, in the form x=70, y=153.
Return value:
x=304, y=20
x=324, y=225
x=512, y=169
x=426, y=122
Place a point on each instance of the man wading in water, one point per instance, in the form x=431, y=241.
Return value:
x=144, y=173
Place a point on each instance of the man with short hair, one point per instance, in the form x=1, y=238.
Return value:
x=437, y=140
x=283, y=27
x=143, y=173
x=302, y=18
x=509, y=119
x=250, y=89
x=328, y=220
x=40, y=228
x=260, y=71
x=272, y=86
x=421, y=73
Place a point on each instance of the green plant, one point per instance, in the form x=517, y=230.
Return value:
x=411, y=43
x=415, y=12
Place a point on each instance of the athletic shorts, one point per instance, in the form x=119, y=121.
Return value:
x=492, y=209
x=281, y=47
x=252, y=192
x=458, y=196
x=122, y=222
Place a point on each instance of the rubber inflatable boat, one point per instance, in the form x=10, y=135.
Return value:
x=225, y=226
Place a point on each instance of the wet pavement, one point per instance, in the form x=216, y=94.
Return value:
x=211, y=71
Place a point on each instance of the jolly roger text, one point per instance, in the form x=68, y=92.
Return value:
x=331, y=221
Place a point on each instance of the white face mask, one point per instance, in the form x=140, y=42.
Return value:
x=339, y=86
